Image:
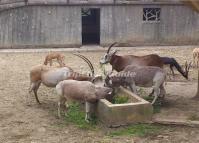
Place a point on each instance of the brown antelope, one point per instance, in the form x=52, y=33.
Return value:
x=55, y=55
x=120, y=62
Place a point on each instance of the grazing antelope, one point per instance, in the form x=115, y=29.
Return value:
x=81, y=91
x=51, y=76
x=173, y=63
x=195, y=56
x=55, y=55
x=120, y=62
x=143, y=76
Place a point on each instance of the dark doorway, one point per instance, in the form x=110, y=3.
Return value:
x=90, y=26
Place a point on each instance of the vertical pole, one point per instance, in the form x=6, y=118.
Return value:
x=198, y=86
x=197, y=94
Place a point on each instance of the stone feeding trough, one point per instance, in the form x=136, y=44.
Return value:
x=136, y=110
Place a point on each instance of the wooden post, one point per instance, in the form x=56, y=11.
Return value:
x=197, y=94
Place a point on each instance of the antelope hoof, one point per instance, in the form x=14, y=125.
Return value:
x=39, y=103
x=87, y=118
x=154, y=100
x=37, y=100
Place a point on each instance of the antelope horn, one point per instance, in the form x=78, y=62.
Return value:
x=111, y=47
x=188, y=67
x=190, y=64
x=185, y=64
x=88, y=62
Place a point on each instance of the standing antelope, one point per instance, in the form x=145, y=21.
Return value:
x=144, y=76
x=120, y=62
x=81, y=91
x=55, y=55
x=51, y=76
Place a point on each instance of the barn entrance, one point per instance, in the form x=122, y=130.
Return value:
x=90, y=26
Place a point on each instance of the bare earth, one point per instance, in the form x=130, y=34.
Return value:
x=20, y=123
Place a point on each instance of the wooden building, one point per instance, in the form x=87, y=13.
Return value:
x=66, y=23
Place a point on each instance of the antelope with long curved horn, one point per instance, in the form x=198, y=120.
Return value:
x=51, y=76
x=120, y=62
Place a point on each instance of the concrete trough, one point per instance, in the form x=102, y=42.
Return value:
x=113, y=115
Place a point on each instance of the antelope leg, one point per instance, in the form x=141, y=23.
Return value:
x=133, y=88
x=87, y=117
x=51, y=62
x=162, y=91
x=151, y=93
x=58, y=109
x=35, y=89
x=62, y=101
x=171, y=68
x=156, y=93
x=60, y=62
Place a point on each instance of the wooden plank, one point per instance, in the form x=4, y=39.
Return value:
x=177, y=122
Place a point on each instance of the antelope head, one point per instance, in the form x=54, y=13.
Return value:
x=108, y=79
x=108, y=55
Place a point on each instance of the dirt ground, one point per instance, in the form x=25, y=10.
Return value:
x=20, y=123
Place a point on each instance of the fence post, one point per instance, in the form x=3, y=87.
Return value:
x=197, y=94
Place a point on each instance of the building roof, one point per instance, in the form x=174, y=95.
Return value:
x=6, y=4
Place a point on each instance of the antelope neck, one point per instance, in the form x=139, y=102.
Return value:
x=114, y=59
x=116, y=62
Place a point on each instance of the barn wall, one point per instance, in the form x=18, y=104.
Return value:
x=179, y=24
x=61, y=25
x=38, y=25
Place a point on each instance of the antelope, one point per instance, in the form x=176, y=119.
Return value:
x=120, y=62
x=51, y=76
x=143, y=76
x=81, y=91
x=55, y=55
x=195, y=56
x=173, y=63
